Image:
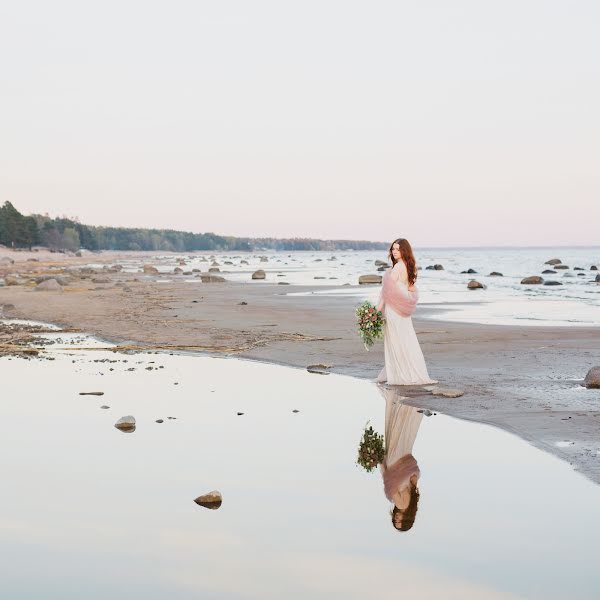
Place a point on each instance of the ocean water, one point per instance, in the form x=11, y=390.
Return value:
x=505, y=301
x=90, y=511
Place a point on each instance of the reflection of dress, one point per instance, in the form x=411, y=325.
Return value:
x=404, y=362
x=401, y=427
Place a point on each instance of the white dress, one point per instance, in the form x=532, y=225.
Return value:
x=404, y=361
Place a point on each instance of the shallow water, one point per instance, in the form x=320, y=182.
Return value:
x=88, y=511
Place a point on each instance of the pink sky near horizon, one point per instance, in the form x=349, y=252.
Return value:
x=451, y=124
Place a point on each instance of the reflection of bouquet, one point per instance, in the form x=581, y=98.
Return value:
x=370, y=449
x=370, y=323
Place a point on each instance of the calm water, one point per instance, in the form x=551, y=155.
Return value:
x=505, y=301
x=87, y=511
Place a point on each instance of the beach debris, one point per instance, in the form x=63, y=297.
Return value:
x=475, y=285
x=212, y=500
x=50, y=285
x=320, y=369
x=552, y=283
x=533, y=280
x=91, y=393
x=553, y=261
x=150, y=269
x=447, y=392
x=126, y=424
x=260, y=274
x=592, y=379
x=212, y=278
x=366, y=279
x=561, y=267
x=495, y=274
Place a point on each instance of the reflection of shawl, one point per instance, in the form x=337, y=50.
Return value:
x=395, y=294
x=397, y=476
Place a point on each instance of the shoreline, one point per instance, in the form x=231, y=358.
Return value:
x=522, y=379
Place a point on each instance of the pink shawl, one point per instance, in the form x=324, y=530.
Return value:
x=395, y=294
x=397, y=476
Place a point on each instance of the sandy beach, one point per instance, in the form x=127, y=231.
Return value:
x=525, y=380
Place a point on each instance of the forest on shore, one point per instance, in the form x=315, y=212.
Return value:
x=62, y=234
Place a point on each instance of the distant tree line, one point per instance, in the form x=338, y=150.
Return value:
x=63, y=234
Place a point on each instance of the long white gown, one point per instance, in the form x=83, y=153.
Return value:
x=404, y=361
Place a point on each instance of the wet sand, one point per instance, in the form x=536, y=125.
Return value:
x=526, y=380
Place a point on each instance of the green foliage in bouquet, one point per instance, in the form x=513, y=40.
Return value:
x=370, y=323
x=371, y=449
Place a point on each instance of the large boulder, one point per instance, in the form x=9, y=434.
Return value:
x=260, y=274
x=553, y=261
x=150, y=269
x=50, y=285
x=366, y=279
x=592, y=379
x=533, y=280
x=475, y=285
x=212, y=278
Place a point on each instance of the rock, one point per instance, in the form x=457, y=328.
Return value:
x=50, y=285
x=11, y=280
x=150, y=269
x=104, y=407
x=126, y=424
x=4, y=260
x=533, y=280
x=593, y=268
x=212, y=500
x=295, y=410
x=553, y=261
x=159, y=421
x=366, y=279
x=469, y=271
x=214, y=263
x=100, y=280
x=447, y=392
x=381, y=263
x=561, y=267
x=552, y=283
x=434, y=268
x=283, y=283
x=319, y=277
x=8, y=306
x=548, y=272
x=495, y=274
x=568, y=275
x=264, y=259
x=319, y=369
x=592, y=379
x=178, y=270
x=475, y=285
x=243, y=303
x=212, y=278
x=240, y=414
x=91, y=393
x=214, y=270
x=260, y=274
x=385, y=268
x=243, y=262
x=578, y=269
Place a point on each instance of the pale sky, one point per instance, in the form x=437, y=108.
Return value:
x=446, y=122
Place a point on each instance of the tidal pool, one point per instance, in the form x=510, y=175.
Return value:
x=88, y=511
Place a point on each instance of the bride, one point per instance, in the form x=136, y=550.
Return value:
x=404, y=362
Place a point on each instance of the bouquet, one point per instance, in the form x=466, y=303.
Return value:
x=370, y=449
x=370, y=323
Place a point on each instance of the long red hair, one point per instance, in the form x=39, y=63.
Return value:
x=407, y=256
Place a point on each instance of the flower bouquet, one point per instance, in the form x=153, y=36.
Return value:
x=370, y=323
x=370, y=449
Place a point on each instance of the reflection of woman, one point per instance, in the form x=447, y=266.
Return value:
x=399, y=467
x=404, y=362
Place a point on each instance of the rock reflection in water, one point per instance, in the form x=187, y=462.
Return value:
x=399, y=468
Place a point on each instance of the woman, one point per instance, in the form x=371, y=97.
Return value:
x=404, y=362
x=399, y=468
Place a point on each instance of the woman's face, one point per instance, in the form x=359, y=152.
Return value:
x=396, y=252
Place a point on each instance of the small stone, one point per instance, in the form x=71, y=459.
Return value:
x=475, y=285
x=561, y=267
x=159, y=421
x=553, y=261
x=212, y=500
x=495, y=274
x=104, y=407
x=552, y=283
x=548, y=272
x=91, y=393
x=242, y=303
x=295, y=410
x=240, y=414
x=126, y=424
x=320, y=369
